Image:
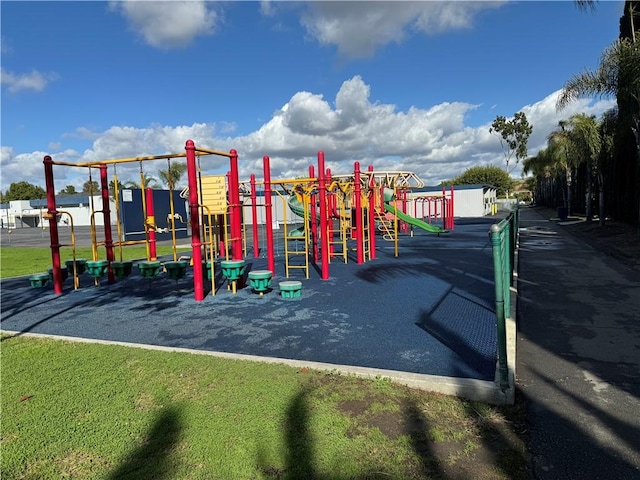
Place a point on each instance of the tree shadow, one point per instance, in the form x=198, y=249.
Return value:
x=417, y=428
x=300, y=455
x=301, y=458
x=154, y=458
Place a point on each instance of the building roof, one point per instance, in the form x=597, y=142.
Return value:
x=62, y=201
x=477, y=186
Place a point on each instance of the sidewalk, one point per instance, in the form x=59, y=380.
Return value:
x=578, y=364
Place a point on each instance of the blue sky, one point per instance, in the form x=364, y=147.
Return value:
x=399, y=85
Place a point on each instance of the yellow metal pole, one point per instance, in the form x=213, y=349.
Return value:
x=76, y=280
x=116, y=194
x=172, y=210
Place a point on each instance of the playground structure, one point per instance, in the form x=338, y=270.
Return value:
x=339, y=215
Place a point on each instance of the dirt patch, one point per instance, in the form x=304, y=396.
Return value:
x=79, y=464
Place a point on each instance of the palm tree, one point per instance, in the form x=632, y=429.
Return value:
x=149, y=181
x=608, y=128
x=562, y=152
x=618, y=74
x=585, y=137
x=172, y=175
x=542, y=167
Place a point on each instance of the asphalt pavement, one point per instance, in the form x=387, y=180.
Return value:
x=578, y=363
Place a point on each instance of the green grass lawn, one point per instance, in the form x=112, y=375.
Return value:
x=86, y=411
x=16, y=261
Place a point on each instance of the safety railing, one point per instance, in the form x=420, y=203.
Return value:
x=504, y=237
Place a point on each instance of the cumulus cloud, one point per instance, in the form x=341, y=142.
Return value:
x=357, y=29
x=169, y=24
x=35, y=80
x=436, y=142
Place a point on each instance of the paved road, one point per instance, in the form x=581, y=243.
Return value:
x=578, y=365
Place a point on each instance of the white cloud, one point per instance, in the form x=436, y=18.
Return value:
x=544, y=117
x=35, y=80
x=5, y=46
x=357, y=29
x=435, y=143
x=166, y=24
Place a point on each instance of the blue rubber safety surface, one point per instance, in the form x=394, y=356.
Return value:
x=430, y=310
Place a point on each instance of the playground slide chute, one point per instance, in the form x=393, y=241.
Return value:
x=413, y=221
x=297, y=208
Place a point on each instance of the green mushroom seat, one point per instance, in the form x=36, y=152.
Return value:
x=81, y=266
x=260, y=280
x=176, y=270
x=291, y=289
x=149, y=269
x=64, y=270
x=232, y=270
x=39, y=280
x=206, y=267
x=122, y=269
x=97, y=268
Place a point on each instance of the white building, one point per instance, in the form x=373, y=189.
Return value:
x=29, y=213
x=468, y=200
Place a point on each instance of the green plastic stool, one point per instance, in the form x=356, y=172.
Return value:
x=39, y=280
x=206, y=267
x=97, y=268
x=260, y=280
x=122, y=269
x=81, y=265
x=65, y=273
x=149, y=269
x=176, y=270
x=232, y=270
x=291, y=289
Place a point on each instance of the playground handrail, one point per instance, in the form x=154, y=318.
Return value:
x=504, y=236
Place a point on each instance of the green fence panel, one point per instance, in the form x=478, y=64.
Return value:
x=504, y=237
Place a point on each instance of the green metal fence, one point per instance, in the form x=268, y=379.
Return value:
x=504, y=236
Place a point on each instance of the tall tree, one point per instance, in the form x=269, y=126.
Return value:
x=585, y=137
x=68, y=190
x=608, y=129
x=489, y=175
x=617, y=74
x=172, y=175
x=91, y=187
x=112, y=187
x=513, y=135
x=23, y=191
x=149, y=182
x=543, y=167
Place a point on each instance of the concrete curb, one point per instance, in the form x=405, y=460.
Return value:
x=471, y=389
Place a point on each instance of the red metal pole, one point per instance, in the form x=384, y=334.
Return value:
x=52, y=215
x=324, y=228
x=268, y=214
x=372, y=214
x=452, y=207
x=357, y=192
x=236, y=213
x=331, y=212
x=196, y=244
x=254, y=216
x=405, y=225
x=151, y=224
x=106, y=215
x=314, y=219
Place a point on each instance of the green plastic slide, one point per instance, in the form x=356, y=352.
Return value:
x=297, y=208
x=414, y=221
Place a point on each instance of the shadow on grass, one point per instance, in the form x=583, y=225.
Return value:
x=300, y=457
x=154, y=457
